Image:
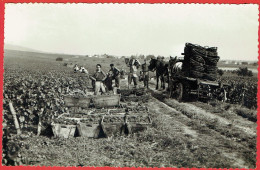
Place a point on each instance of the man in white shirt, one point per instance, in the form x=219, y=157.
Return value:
x=134, y=64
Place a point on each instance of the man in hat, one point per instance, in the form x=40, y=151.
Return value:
x=145, y=74
x=115, y=75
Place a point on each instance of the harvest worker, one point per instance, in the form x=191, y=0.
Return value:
x=115, y=75
x=145, y=74
x=99, y=77
x=76, y=68
x=134, y=64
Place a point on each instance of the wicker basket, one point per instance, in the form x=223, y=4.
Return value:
x=211, y=69
x=90, y=130
x=211, y=77
x=198, y=58
x=103, y=101
x=196, y=74
x=125, y=92
x=77, y=101
x=198, y=68
x=64, y=131
x=113, y=128
x=211, y=60
x=138, y=126
x=143, y=98
x=194, y=62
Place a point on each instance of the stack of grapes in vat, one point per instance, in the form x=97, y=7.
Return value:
x=200, y=62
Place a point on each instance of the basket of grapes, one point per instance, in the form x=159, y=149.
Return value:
x=99, y=111
x=140, y=91
x=89, y=126
x=125, y=92
x=103, y=101
x=137, y=122
x=64, y=128
x=113, y=125
x=133, y=98
x=137, y=109
x=77, y=101
x=117, y=111
x=80, y=110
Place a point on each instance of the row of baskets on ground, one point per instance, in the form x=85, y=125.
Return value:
x=123, y=109
x=108, y=114
x=102, y=101
x=100, y=124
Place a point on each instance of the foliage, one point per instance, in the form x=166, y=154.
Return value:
x=241, y=90
x=59, y=59
x=243, y=71
x=220, y=72
x=148, y=57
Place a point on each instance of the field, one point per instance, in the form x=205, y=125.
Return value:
x=183, y=134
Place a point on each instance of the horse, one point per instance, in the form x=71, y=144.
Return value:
x=161, y=71
x=175, y=66
x=174, y=70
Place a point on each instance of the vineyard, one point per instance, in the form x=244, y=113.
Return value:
x=188, y=134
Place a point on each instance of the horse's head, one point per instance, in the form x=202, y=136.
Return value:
x=175, y=65
x=172, y=61
x=152, y=65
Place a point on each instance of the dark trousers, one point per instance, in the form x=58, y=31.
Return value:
x=132, y=78
x=146, y=81
x=117, y=81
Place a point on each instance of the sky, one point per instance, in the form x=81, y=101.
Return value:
x=134, y=29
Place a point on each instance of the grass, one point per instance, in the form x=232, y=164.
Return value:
x=246, y=113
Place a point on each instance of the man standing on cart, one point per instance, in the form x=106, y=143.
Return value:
x=99, y=77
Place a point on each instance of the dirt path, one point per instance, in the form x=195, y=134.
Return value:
x=229, y=136
x=201, y=140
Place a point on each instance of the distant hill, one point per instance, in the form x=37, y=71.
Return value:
x=18, y=48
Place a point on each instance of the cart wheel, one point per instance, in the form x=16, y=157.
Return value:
x=169, y=93
x=179, y=91
x=170, y=90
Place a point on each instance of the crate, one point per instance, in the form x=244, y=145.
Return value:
x=139, y=109
x=77, y=101
x=90, y=130
x=117, y=111
x=125, y=92
x=103, y=101
x=113, y=128
x=64, y=131
x=143, y=98
x=140, y=91
x=137, y=126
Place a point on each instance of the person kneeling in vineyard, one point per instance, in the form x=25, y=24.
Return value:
x=99, y=77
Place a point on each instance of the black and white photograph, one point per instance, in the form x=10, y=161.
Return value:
x=130, y=85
